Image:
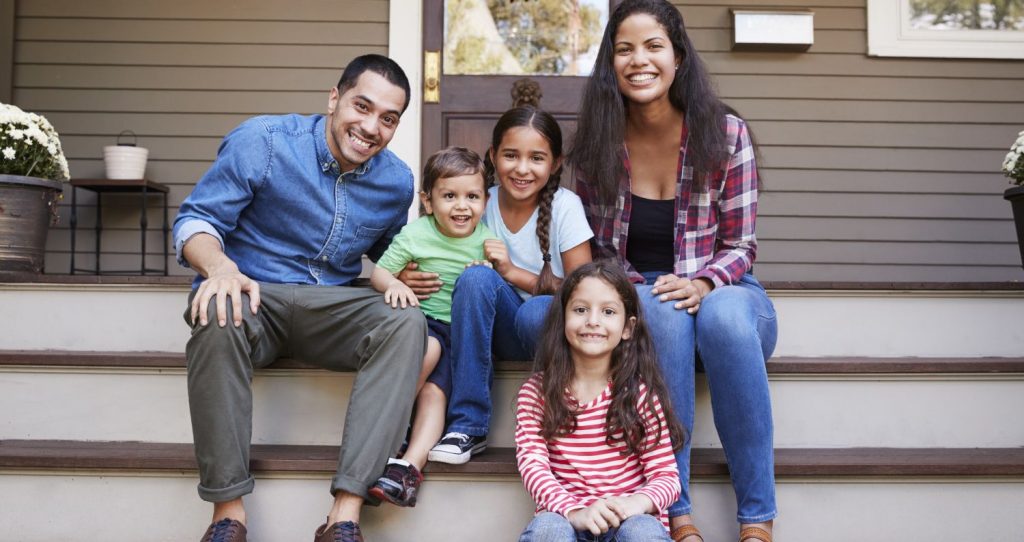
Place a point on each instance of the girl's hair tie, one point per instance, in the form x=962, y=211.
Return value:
x=547, y=257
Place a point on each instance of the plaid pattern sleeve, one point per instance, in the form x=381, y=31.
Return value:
x=609, y=223
x=714, y=236
x=726, y=255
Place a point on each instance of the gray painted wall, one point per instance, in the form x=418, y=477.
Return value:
x=876, y=169
x=180, y=75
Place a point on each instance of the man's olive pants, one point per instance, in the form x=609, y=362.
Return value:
x=335, y=327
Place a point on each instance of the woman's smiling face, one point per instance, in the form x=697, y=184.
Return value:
x=644, y=61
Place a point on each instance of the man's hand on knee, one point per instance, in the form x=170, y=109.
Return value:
x=223, y=285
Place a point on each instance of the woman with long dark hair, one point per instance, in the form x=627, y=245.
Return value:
x=667, y=176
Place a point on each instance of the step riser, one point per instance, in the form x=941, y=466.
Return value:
x=113, y=319
x=292, y=408
x=94, y=507
x=148, y=318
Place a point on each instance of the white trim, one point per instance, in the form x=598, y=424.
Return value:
x=405, y=46
x=889, y=34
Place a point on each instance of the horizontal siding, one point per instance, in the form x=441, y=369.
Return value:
x=180, y=75
x=876, y=169
x=186, y=10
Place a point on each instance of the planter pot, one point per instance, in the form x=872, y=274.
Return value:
x=1015, y=196
x=28, y=205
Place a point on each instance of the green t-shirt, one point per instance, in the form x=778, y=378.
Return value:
x=421, y=242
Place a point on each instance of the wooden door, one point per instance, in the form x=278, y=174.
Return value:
x=470, y=104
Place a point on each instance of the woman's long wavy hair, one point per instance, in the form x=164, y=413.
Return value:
x=598, y=149
x=634, y=361
x=545, y=125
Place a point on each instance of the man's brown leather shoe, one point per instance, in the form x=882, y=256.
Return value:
x=225, y=530
x=342, y=531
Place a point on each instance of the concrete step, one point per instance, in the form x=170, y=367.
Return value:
x=817, y=402
x=908, y=494
x=872, y=320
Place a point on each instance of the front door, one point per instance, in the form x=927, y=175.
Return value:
x=486, y=46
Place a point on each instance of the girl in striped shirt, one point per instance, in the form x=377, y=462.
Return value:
x=594, y=431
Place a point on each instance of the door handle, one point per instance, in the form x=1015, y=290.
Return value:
x=431, y=77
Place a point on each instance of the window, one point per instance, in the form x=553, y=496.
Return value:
x=540, y=37
x=946, y=28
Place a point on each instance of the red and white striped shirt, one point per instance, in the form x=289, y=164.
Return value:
x=572, y=471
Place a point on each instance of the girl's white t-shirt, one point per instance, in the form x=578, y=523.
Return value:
x=569, y=228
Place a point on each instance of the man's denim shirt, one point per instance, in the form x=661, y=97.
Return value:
x=277, y=201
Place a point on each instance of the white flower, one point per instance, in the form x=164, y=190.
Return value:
x=30, y=145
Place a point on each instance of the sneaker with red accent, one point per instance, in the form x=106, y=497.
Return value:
x=342, y=531
x=400, y=483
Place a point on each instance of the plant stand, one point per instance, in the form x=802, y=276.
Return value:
x=1015, y=196
x=142, y=187
x=28, y=205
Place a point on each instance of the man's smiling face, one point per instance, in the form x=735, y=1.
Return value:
x=362, y=121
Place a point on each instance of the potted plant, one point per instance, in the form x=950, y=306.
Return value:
x=1013, y=167
x=32, y=171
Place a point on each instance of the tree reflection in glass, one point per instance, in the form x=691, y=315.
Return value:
x=515, y=37
x=967, y=15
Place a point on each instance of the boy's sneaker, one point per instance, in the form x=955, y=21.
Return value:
x=457, y=448
x=399, y=485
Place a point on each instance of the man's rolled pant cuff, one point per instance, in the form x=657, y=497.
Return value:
x=230, y=493
x=353, y=487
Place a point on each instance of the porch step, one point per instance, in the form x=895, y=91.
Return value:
x=909, y=494
x=880, y=320
x=833, y=402
x=58, y=455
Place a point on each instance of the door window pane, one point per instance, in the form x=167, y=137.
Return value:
x=522, y=37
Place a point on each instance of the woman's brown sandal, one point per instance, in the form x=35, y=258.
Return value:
x=683, y=531
x=755, y=533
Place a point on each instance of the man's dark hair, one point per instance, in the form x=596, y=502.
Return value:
x=379, y=64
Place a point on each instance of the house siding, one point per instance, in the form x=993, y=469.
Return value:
x=876, y=169
x=180, y=75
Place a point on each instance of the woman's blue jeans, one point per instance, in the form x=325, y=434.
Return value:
x=733, y=333
x=552, y=527
x=484, y=310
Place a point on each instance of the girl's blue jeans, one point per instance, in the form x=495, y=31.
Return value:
x=733, y=334
x=552, y=527
x=484, y=311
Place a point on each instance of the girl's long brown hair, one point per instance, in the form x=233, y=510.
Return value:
x=634, y=361
x=546, y=125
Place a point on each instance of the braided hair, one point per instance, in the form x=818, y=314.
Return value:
x=525, y=97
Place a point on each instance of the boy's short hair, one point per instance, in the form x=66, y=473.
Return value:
x=451, y=162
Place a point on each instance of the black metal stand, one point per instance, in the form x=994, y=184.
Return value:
x=143, y=187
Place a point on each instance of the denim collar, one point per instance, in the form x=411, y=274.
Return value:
x=324, y=156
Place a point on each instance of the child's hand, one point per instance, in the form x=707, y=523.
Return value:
x=397, y=293
x=484, y=263
x=596, y=518
x=496, y=252
x=633, y=505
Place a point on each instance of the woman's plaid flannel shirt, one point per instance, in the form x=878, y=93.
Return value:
x=714, y=233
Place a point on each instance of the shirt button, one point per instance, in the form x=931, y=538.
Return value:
x=324, y=259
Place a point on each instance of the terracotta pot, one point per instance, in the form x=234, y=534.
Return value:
x=28, y=205
x=1015, y=196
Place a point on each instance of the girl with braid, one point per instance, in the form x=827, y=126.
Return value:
x=542, y=235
